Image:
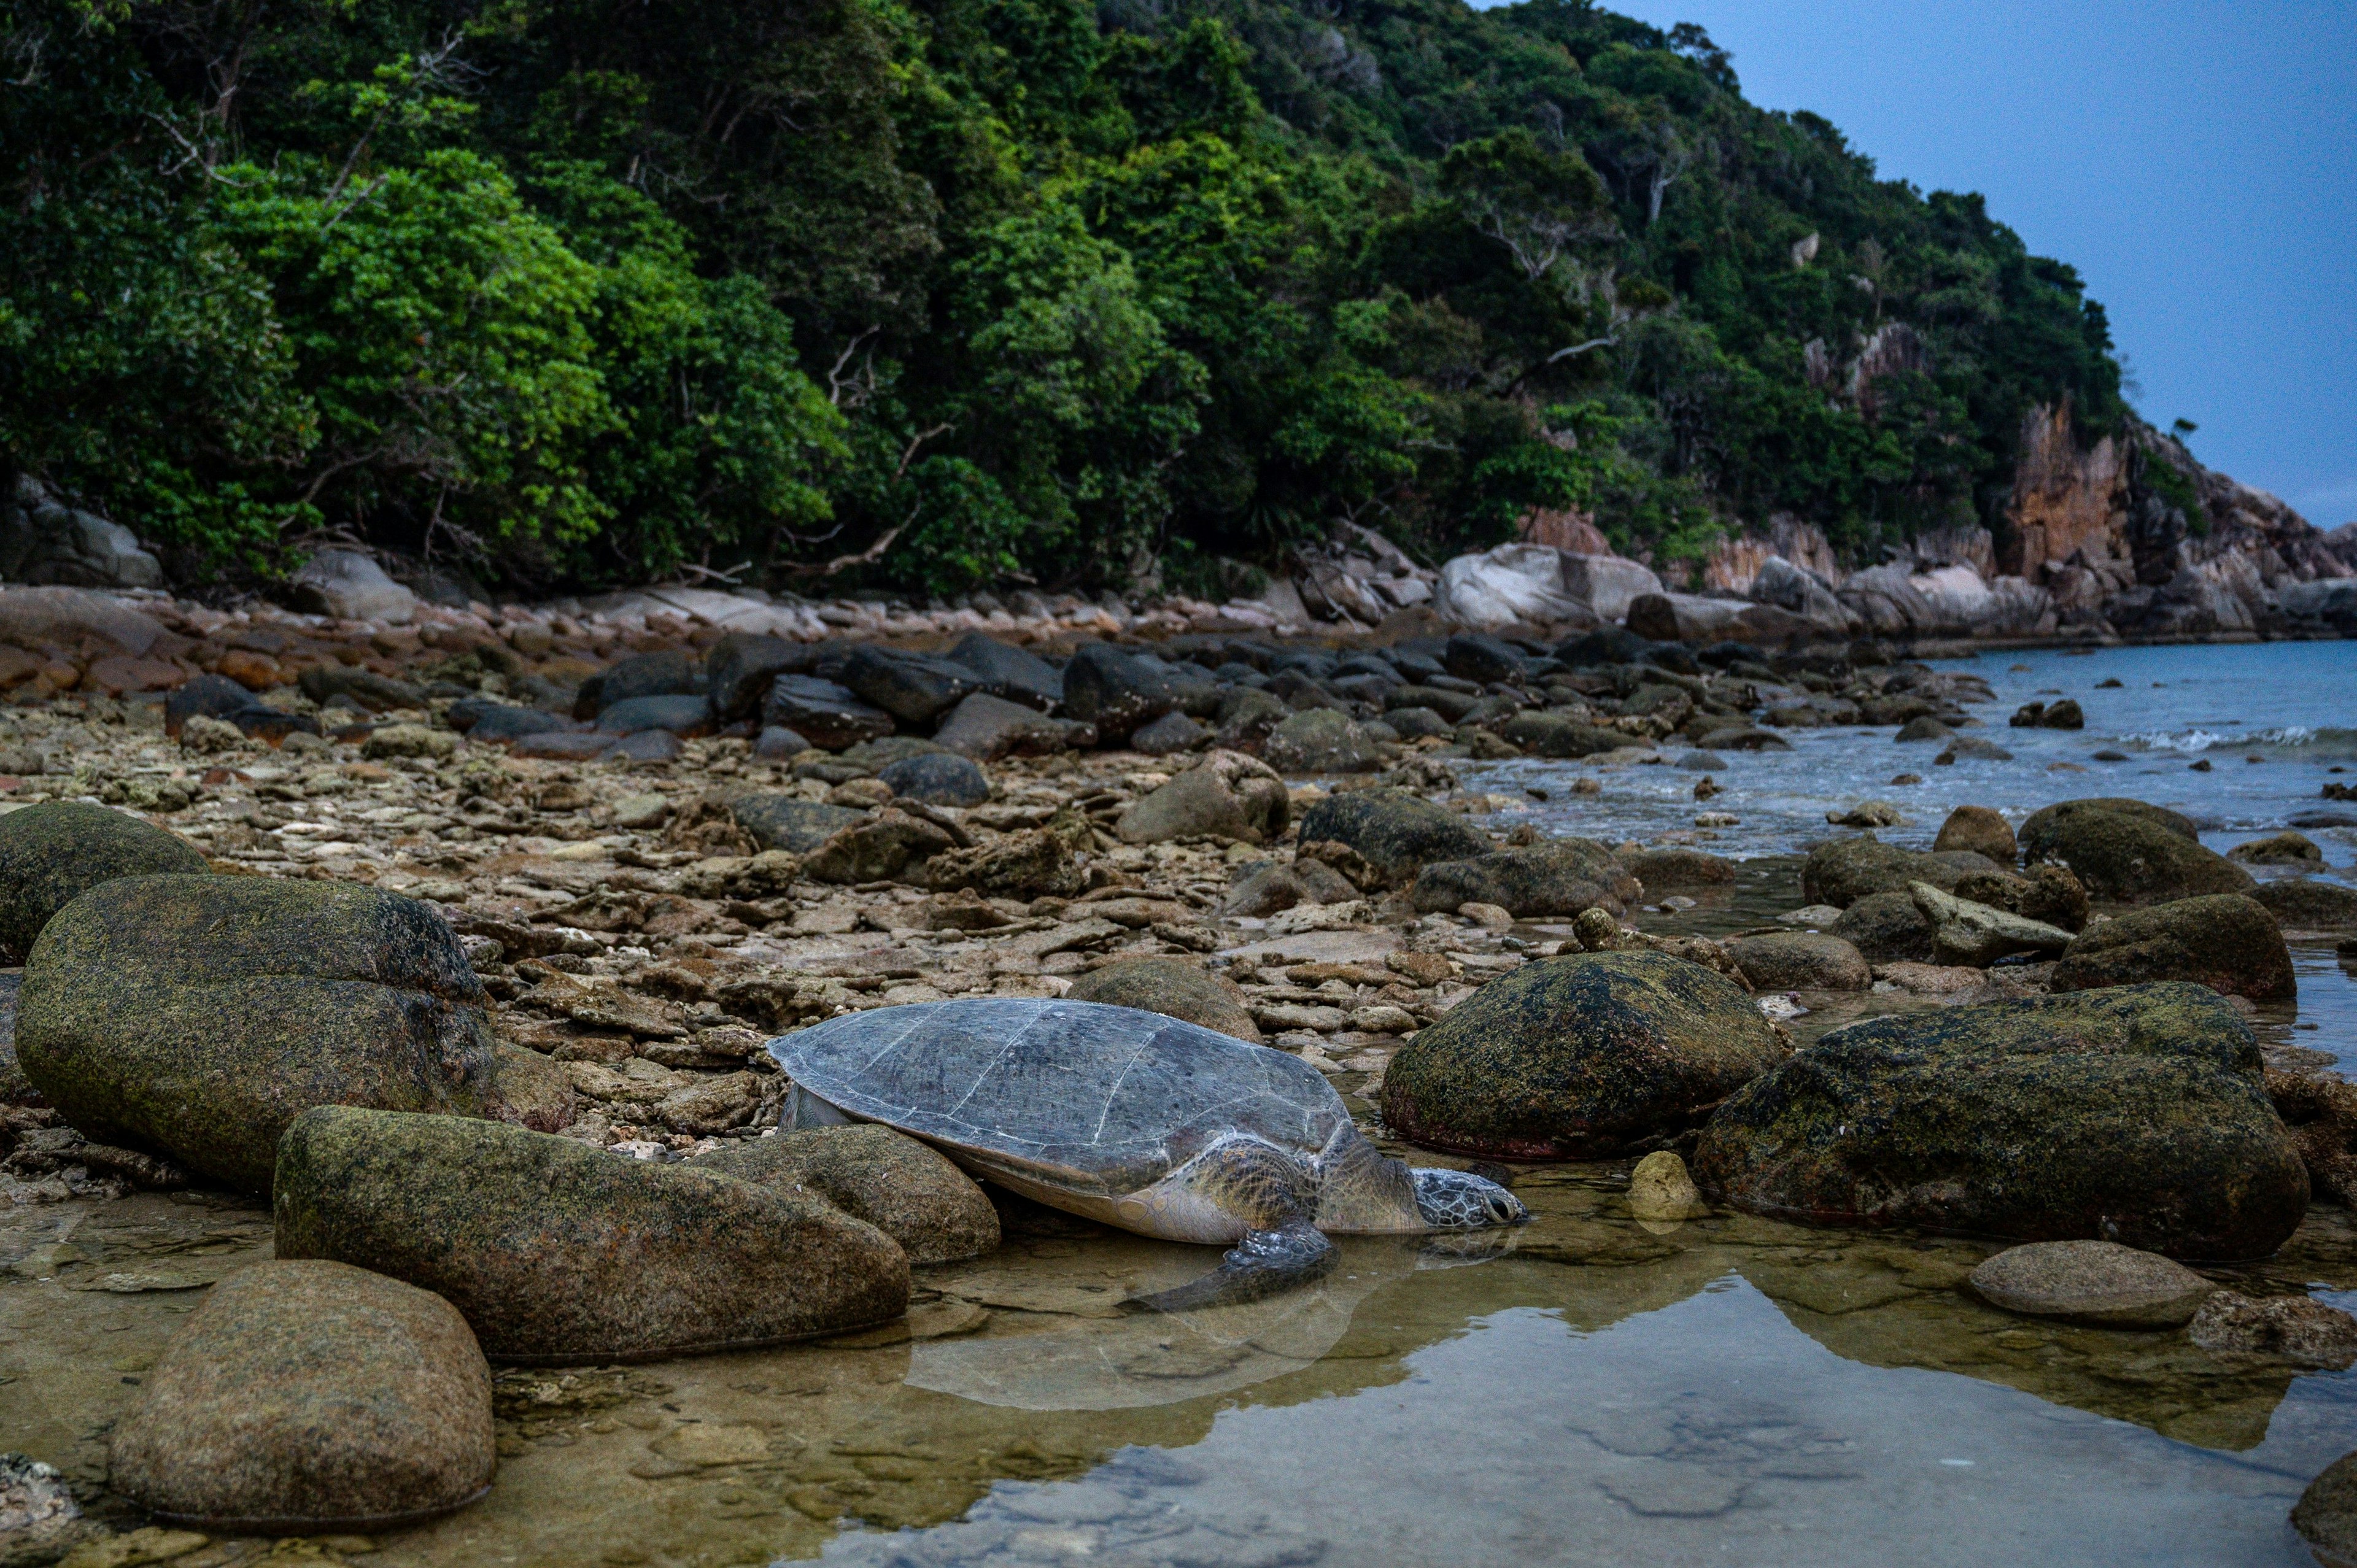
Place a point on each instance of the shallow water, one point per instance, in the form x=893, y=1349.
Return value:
x=1598, y=1391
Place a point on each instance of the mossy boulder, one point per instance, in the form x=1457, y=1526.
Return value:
x=1980, y=830
x=2305, y=905
x=2038, y=828
x=1788, y=960
x=2226, y=942
x=1885, y=927
x=1562, y=878
x=1578, y=1057
x=2130, y=857
x=52, y=854
x=1174, y=987
x=2326, y=1514
x=1668, y=869
x=1543, y=733
x=1321, y=740
x=199, y=1015
x=1842, y=870
x=558, y=1252
x=1396, y=832
x=309, y=1397
x=906, y=1189
x=2134, y=1115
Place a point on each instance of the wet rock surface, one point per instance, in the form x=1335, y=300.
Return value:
x=2134, y=1114
x=53, y=852
x=2227, y=942
x=310, y=1397
x=560, y=1254
x=2100, y=1283
x=901, y=1187
x=1576, y=1058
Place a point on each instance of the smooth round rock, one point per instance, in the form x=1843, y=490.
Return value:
x=2227, y=942
x=1321, y=741
x=1842, y=870
x=560, y=1254
x=199, y=1015
x=1397, y=833
x=53, y=852
x=1227, y=794
x=309, y=1397
x=2100, y=1283
x=1661, y=1190
x=937, y=778
x=906, y=1189
x=1174, y=988
x=1885, y=927
x=2137, y=856
x=1561, y=877
x=1576, y=1058
x=1981, y=831
x=1800, y=961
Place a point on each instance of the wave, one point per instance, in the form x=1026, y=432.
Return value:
x=2327, y=743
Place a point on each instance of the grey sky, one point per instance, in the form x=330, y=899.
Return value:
x=2196, y=161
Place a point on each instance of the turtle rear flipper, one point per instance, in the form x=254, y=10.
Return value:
x=1262, y=1264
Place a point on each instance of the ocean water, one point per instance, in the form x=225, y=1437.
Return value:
x=2273, y=722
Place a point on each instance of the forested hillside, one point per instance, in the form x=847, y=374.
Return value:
x=1072, y=291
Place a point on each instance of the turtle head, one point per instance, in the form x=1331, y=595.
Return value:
x=1459, y=1200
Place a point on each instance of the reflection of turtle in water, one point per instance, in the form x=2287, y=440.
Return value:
x=1148, y=1123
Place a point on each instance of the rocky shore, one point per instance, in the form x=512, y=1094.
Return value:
x=456, y=935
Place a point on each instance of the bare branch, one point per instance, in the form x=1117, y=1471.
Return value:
x=1579, y=349
x=845, y=563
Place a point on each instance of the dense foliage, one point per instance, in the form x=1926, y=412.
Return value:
x=1072, y=291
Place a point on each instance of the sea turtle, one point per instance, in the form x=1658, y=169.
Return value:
x=1154, y=1124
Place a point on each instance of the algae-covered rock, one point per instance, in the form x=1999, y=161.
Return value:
x=2280, y=849
x=1561, y=877
x=2226, y=942
x=1577, y=1058
x=2134, y=1115
x=199, y=1015
x=1964, y=932
x=1227, y=793
x=559, y=1252
x=1885, y=927
x=1661, y=1190
x=778, y=822
x=1174, y=988
x=53, y=852
x=2131, y=857
x=1843, y=871
x=1979, y=830
x=906, y=1189
x=2038, y=828
x=2305, y=905
x=1396, y=832
x=310, y=1397
x=1788, y=961
x=1321, y=740
x=2099, y=1283
x=1666, y=870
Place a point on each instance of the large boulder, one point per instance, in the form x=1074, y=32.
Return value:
x=1799, y=961
x=42, y=540
x=1321, y=741
x=1173, y=987
x=1514, y=584
x=2225, y=942
x=2129, y=857
x=53, y=852
x=1561, y=877
x=740, y=667
x=829, y=715
x=914, y=688
x=350, y=585
x=1397, y=833
x=1980, y=830
x=1117, y=692
x=2135, y=1116
x=1030, y=862
x=667, y=672
x=887, y=846
x=199, y=1015
x=2039, y=824
x=1667, y=869
x=1885, y=927
x=310, y=1398
x=1578, y=1058
x=559, y=1252
x=1544, y=733
x=1010, y=671
x=2304, y=905
x=906, y=1189
x=1842, y=870
x=1227, y=794
x=1607, y=585
x=987, y=729
x=35, y=617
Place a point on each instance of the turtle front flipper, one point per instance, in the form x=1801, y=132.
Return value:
x=1238, y=1184
x=1262, y=1264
